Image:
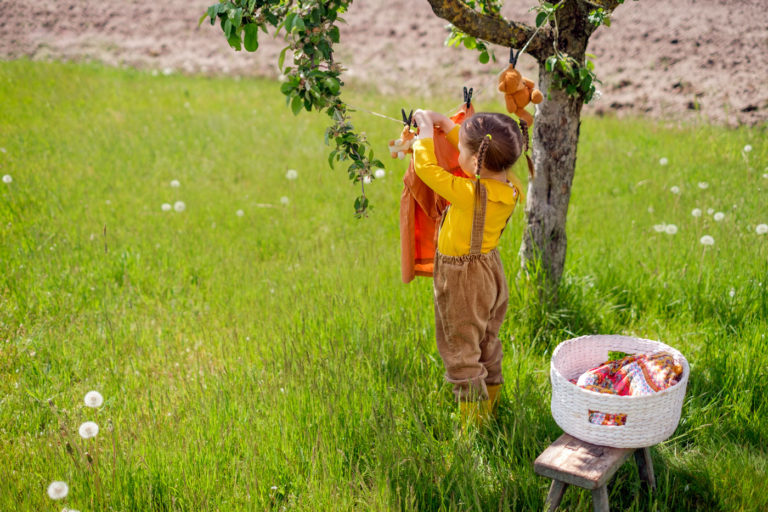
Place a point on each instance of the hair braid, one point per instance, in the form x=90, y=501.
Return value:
x=481, y=153
x=526, y=146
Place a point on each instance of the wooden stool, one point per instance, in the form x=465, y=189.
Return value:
x=572, y=461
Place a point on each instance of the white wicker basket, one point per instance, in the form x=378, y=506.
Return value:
x=650, y=419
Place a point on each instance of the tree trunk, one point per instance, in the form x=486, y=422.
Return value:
x=555, y=136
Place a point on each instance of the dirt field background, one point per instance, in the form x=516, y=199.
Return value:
x=673, y=59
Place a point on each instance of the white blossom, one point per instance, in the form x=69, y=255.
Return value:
x=674, y=189
x=761, y=229
x=179, y=206
x=239, y=213
x=88, y=430
x=671, y=229
x=291, y=174
x=696, y=212
x=7, y=178
x=175, y=183
x=166, y=207
x=703, y=185
x=379, y=173
x=367, y=179
x=707, y=240
x=663, y=161
x=93, y=399
x=719, y=216
x=58, y=490
x=747, y=148
x=284, y=200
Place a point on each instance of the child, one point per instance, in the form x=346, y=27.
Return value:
x=470, y=287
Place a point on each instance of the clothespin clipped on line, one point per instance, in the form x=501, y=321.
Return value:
x=408, y=120
x=398, y=148
x=468, y=96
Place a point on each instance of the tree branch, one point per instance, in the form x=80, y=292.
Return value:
x=494, y=29
x=608, y=5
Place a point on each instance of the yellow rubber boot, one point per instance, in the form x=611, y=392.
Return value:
x=493, y=396
x=475, y=413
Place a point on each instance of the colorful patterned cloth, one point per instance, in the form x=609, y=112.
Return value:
x=634, y=375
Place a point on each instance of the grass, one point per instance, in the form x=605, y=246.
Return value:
x=275, y=361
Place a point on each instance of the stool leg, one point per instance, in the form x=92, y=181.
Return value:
x=555, y=496
x=645, y=466
x=600, y=499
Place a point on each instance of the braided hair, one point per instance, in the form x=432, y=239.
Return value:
x=496, y=140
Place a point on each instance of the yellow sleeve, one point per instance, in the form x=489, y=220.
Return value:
x=459, y=191
x=453, y=136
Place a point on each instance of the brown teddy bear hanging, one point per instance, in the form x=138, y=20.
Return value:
x=518, y=92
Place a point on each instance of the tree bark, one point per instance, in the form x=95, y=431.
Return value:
x=555, y=137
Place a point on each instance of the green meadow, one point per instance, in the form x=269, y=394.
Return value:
x=258, y=350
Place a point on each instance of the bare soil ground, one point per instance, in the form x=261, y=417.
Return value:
x=681, y=59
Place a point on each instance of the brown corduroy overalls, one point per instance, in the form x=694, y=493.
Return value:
x=471, y=296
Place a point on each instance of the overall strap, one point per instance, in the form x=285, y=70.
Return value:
x=478, y=220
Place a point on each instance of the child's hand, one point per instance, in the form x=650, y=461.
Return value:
x=441, y=121
x=425, y=124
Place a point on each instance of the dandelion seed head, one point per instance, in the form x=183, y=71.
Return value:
x=239, y=213
x=732, y=292
x=284, y=200
x=761, y=229
x=88, y=430
x=179, y=206
x=674, y=189
x=93, y=399
x=663, y=161
x=166, y=207
x=2, y=150
x=175, y=183
x=703, y=185
x=58, y=490
x=719, y=216
x=747, y=148
x=765, y=175
x=167, y=71
x=707, y=240
x=696, y=212
x=671, y=229
x=650, y=209
x=710, y=211
x=659, y=228
x=291, y=174
x=379, y=173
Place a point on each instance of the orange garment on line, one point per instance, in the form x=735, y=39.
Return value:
x=421, y=208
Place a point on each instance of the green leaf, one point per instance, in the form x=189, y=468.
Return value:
x=549, y=65
x=251, y=5
x=484, y=57
x=541, y=18
x=281, y=58
x=227, y=27
x=235, y=40
x=287, y=88
x=251, y=39
x=289, y=21
x=333, y=33
x=298, y=24
x=296, y=105
x=332, y=85
x=237, y=18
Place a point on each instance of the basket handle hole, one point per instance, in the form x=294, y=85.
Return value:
x=607, y=419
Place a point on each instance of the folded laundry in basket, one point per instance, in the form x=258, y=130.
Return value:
x=634, y=375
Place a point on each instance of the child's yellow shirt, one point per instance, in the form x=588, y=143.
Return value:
x=456, y=231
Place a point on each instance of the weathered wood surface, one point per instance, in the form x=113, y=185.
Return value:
x=576, y=462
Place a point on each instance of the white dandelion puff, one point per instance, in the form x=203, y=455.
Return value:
x=696, y=212
x=167, y=71
x=650, y=209
x=761, y=229
x=2, y=150
x=747, y=148
x=663, y=161
x=719, y=216
x=674, y=189
x=179, y=206
x=660, y=228
x=379, y=173
x=284, y=200
x=367, y=179
x=274, y=487
x=65, y=509
x=239, y=213
x=291, y=174
x=703, y=185
x=710, y=211
x=671, y=229
x=707, y=240
x=58, y=490
x=765, y=175
x=88, y=430
x=166, y=207
x=7, y=178
x=175, y=183
x=732, y=292
x=93, y=399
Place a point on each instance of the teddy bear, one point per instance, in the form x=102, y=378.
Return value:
x=518, y=92
x=402, y=146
